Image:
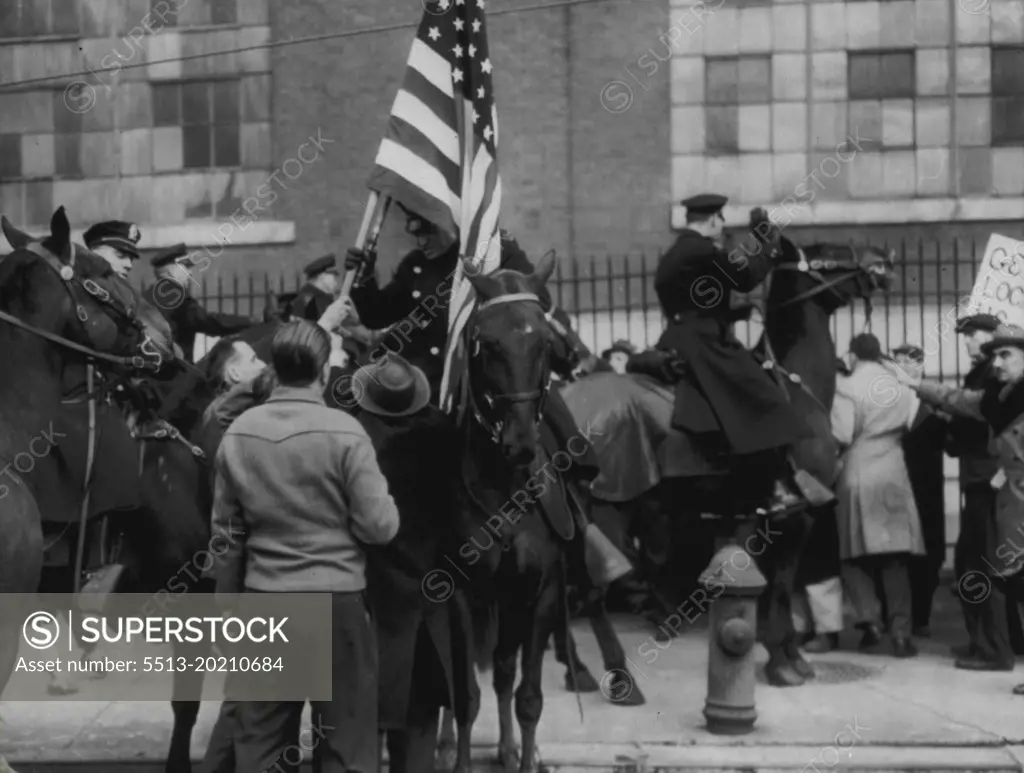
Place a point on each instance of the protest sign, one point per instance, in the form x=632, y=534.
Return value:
x=999, y=285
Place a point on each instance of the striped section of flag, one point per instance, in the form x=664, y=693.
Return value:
x=439, y=157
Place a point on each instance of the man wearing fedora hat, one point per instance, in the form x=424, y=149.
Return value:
x=417, y=449
x=171, y=294
x=618, y=354
x=999, y=402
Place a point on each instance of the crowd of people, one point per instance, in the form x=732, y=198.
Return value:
x=886, y=545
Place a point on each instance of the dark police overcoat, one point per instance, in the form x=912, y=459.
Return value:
x=728, y=391
x=417, y=300
x=418, y=456
x=188, y=317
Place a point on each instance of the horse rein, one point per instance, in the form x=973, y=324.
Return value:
x=814, y=269
x=67, y=274
x=511, y=398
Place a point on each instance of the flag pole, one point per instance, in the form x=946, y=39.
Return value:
x=369, y=232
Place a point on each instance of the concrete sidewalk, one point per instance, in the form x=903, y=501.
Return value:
x=863, y=712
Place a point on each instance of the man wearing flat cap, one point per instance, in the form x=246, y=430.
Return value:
x=999, y=402
x=988, y=644
x=171, y=294
x=116, y=242
x=727, y=394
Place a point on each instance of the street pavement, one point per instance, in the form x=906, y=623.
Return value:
x=868, y=712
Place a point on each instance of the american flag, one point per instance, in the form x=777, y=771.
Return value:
x=439, y=156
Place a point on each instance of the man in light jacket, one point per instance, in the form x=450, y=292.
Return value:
x=879, y=528
x=298, y=488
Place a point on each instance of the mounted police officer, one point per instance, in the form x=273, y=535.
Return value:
x=117, y=242
x=727, y=394
x=318, y=292
x=171, y=294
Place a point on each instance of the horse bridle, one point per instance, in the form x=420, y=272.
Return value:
x=494, y=428
x=813, y=268
x=75, y=284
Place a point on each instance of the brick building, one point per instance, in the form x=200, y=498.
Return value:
x=610, y=112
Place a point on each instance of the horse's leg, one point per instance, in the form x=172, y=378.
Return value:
x=798, y=530
x=186, y=682
x=62, y=683
x=446, y=755
x=512, y=621
x=577, y=676
x=530, y=696
x=467, y=689
x=619, y=685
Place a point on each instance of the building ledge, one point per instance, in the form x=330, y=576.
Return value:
x=205, y=233
x=887, y=211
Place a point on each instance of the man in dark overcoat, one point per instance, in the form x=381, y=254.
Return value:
x=922, y=451
x=727, y=393
x=171, y=294
x=417, y=450
x=985, y=615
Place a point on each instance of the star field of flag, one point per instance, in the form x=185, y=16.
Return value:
x=454, y=29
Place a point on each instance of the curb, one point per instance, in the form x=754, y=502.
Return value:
x=668, y=759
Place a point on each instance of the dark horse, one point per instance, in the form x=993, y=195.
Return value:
x=645, y=463
x=516, y=581
x=62, y=308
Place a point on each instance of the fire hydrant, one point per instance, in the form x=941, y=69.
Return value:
x=733, y=583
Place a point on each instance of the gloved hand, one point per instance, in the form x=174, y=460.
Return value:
x=339, y=310
x=354, y=258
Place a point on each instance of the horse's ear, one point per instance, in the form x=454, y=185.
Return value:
x=18, y=239
x=486, y=287
x=60, y=230
x=545, y=268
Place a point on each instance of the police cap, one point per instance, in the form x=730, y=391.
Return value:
x=705, y=203
x=117, y=233
x=171, y=255
x=975, y=322
x=319, y=266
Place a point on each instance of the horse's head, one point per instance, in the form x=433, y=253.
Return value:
x=510, y=348
x=833, y=274
x=63, y=289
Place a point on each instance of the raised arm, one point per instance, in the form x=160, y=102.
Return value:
x=958, y=402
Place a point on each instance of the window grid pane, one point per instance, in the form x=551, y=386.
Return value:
x=197, y=151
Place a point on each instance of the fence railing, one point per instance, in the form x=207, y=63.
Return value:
x=613, y=297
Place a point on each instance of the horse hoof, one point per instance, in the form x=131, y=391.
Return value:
x=801, y=666
x=585, y=682
x=620, y=687
x=445, y=756
x=60, y=689
x=508, y=758
x=782, y=674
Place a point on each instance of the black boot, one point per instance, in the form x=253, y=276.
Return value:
x=872, y=636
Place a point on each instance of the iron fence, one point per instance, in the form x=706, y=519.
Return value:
x=613, y=297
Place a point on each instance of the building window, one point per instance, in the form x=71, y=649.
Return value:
x=731, y=80
x=33, y=18
x=208, y=113
x=881, y=74
x=1007, y=96
x=189, y=13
